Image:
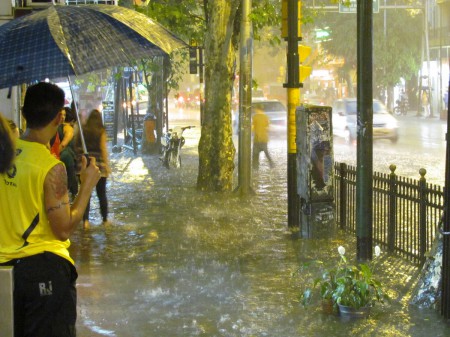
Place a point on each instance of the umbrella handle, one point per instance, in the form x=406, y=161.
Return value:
x=88, y=159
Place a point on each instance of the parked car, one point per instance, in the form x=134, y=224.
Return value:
x=258, y=95
x=275, y=110
x=187, y=100
x=312, y=99
x=385, y=125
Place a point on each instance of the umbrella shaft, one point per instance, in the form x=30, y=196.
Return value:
x=83, y=143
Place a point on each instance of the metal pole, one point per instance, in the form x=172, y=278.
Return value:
x=117, y=107
x=133, y=128
x=445, y=303
x=364, y=155
x=427, y=54
x=245, y=101
x=124, y=107
x=292, y=85
x=166, y=96
x=166, y=116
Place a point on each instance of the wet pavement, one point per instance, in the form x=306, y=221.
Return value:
x=178, y=262
x=421, y=144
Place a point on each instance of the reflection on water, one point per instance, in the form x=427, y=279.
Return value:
x=178, y=262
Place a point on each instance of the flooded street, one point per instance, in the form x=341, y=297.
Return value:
x=421, y=145
x=178, y=262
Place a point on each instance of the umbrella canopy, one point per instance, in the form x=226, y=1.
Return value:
x=72, y=40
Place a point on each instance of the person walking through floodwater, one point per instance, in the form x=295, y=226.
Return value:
x=96, y=139
x=260, y=127
x=37, y=220
x=67, y=150
x=426, y=104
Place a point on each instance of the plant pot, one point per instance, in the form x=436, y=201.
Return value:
x=327, y=306
x=350, y=312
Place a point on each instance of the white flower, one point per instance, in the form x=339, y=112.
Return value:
x=377, y=251
x=341, y=250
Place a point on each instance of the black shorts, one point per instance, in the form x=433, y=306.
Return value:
x=45, y=296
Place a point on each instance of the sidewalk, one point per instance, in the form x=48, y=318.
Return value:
x=179, y=262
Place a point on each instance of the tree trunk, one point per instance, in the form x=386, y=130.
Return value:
x=216, y=148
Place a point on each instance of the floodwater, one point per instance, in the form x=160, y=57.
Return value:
x=178, y=262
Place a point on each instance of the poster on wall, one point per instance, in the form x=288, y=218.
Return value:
x=320, y=143
x=315, y=153
x=108, y=118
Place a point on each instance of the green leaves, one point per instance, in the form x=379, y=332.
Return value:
x=346, y=284
x=357, y=287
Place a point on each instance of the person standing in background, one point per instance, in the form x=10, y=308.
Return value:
x=96, y=139
x=67, y=151
x=7, y=145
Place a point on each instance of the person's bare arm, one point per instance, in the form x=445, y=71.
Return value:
x=68, y=135
x=63, y=217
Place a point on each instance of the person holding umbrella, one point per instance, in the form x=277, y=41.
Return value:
x=7, y=146
x=37, y=220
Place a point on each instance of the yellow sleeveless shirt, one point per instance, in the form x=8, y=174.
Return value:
x=24, y=227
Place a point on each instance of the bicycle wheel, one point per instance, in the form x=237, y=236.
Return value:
x=174, y=159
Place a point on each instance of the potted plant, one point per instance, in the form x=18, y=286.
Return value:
x=357, y=289
x=353, y=289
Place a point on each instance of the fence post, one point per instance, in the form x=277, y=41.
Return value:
x=392, y=207
x=422, y=215
x=343, y=195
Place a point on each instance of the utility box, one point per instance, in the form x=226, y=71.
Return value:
x=315, y=170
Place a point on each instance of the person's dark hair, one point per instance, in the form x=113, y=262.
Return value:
x=43, y=101
x=95, y=120
x=7, y=146
x=93, y=128
x=70, y=115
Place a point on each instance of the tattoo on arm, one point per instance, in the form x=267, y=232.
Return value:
x=57, y=207
x=58, y=181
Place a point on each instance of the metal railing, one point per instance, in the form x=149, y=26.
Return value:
x=405, y=211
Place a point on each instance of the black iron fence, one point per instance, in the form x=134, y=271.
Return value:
x=405, y=211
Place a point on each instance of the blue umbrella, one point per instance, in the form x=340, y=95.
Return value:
x=73, y=40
